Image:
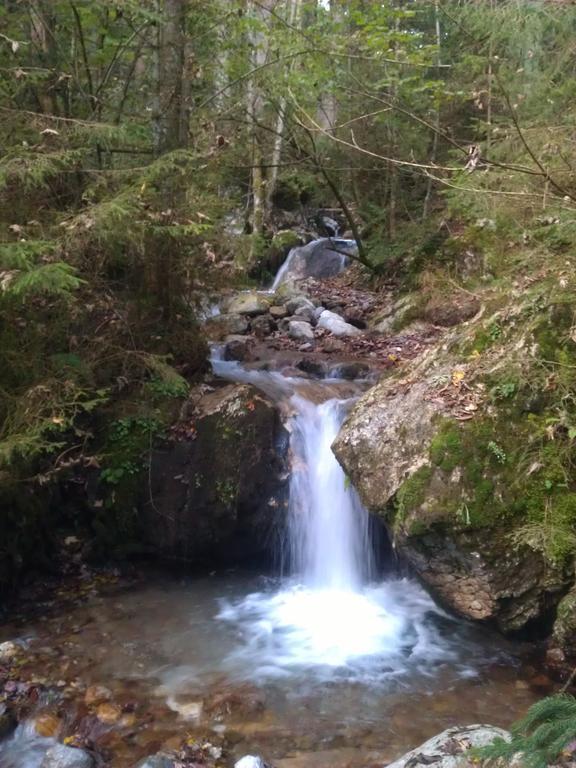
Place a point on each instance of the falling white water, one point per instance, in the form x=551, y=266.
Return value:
x=327, y=526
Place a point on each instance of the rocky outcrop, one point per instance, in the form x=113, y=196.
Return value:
x=446, y=466
x=451, y=748
x=216, y=488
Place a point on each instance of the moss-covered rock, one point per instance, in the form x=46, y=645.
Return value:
x=470, y=462
x=215, y=488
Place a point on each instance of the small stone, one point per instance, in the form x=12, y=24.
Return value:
x=250, y=761
x=109, y=714
x=299, y=329
x=96, y=694
x=306, y=347
x=156, y=761
x=314, y=367
x=61, y=756
x=278, y=312
x=47, y=724
x=9, y=651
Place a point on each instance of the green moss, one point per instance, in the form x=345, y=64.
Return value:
x=446, y=447
x=412, y=493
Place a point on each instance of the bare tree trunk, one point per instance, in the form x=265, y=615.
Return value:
x=43, y=40
x=255, y=109
x=434, y=153
x=171, y=113
x=295, y=7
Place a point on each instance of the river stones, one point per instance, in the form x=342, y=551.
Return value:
x=262, y=326
x=449, y=748
x=157, y=761
x=97, y=694
x=9, y=651
x=238, y=348
x=300, y=330
x=217, y=328
x=250, y=303
x=336, y=324
x=298, y=303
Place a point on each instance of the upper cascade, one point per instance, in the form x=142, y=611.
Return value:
x=324, y=257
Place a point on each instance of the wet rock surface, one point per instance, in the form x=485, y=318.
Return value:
x=215, y=487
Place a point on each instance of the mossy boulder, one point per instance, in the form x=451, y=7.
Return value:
x=564, y=632
x=474, y=491
x=217, y=487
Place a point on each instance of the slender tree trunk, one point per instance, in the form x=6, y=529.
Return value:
x=434, y=152
x=255, y=110
x=294, y=20
x=42, y=36
x=171, y=113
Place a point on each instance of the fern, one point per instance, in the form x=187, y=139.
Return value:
x=547, y=733
x=23, y=254
x=57, y=279
x=34, y=170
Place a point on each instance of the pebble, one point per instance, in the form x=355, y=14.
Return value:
x=96, y=694
x=108, y=713
x=9, y=651
x=47, y=724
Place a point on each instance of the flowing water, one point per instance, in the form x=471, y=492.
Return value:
x=337, y=665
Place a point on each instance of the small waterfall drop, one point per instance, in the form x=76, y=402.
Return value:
x=328, y=527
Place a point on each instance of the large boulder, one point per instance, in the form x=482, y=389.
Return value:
x=320, y=258
x=336, y=324
x=451, y=748
x=216, y=487
x=449, y=476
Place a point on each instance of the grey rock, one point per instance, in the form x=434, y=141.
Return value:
x=350, y=371
x=7, y=721
x=251, y=761
x=9, y=651
x=299, y=329
x=156, y=761
x=61, y=756
x=217, y=328
x=320, y=258
x=278, y=312
x=314, y=367
x=238, y=348
x=262, y=326
x=305, y=313
x=449, y=748
x=318, y=311
x=336, y=324
x=250, y=303
x=299, y=302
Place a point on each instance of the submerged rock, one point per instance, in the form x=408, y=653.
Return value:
x=251, y=761
x=61, y=756
x=157, y=761
x=216, y=487
x=448, y=749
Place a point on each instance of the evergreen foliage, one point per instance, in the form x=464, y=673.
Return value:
x=542, y=738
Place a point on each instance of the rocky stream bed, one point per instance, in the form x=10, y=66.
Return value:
x=141, y=667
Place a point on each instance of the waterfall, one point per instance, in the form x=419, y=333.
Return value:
x=327, y=526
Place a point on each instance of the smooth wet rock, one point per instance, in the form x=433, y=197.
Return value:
x=300, y=330
x=157, y=761
x=217, y=328
x=96, y=694
x=210, y=484
x=7, y=721
x=449, y=749
x=47, y=724
x=238, y=348
x=61, y=756
x=318, y=311
x=336, y=324
x=251, y=304
x=251, y=761
x=108, y=713
x=316, y=368
x=350, y=371
x=320, y=258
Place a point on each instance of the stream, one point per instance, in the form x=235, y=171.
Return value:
x=331, y=664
